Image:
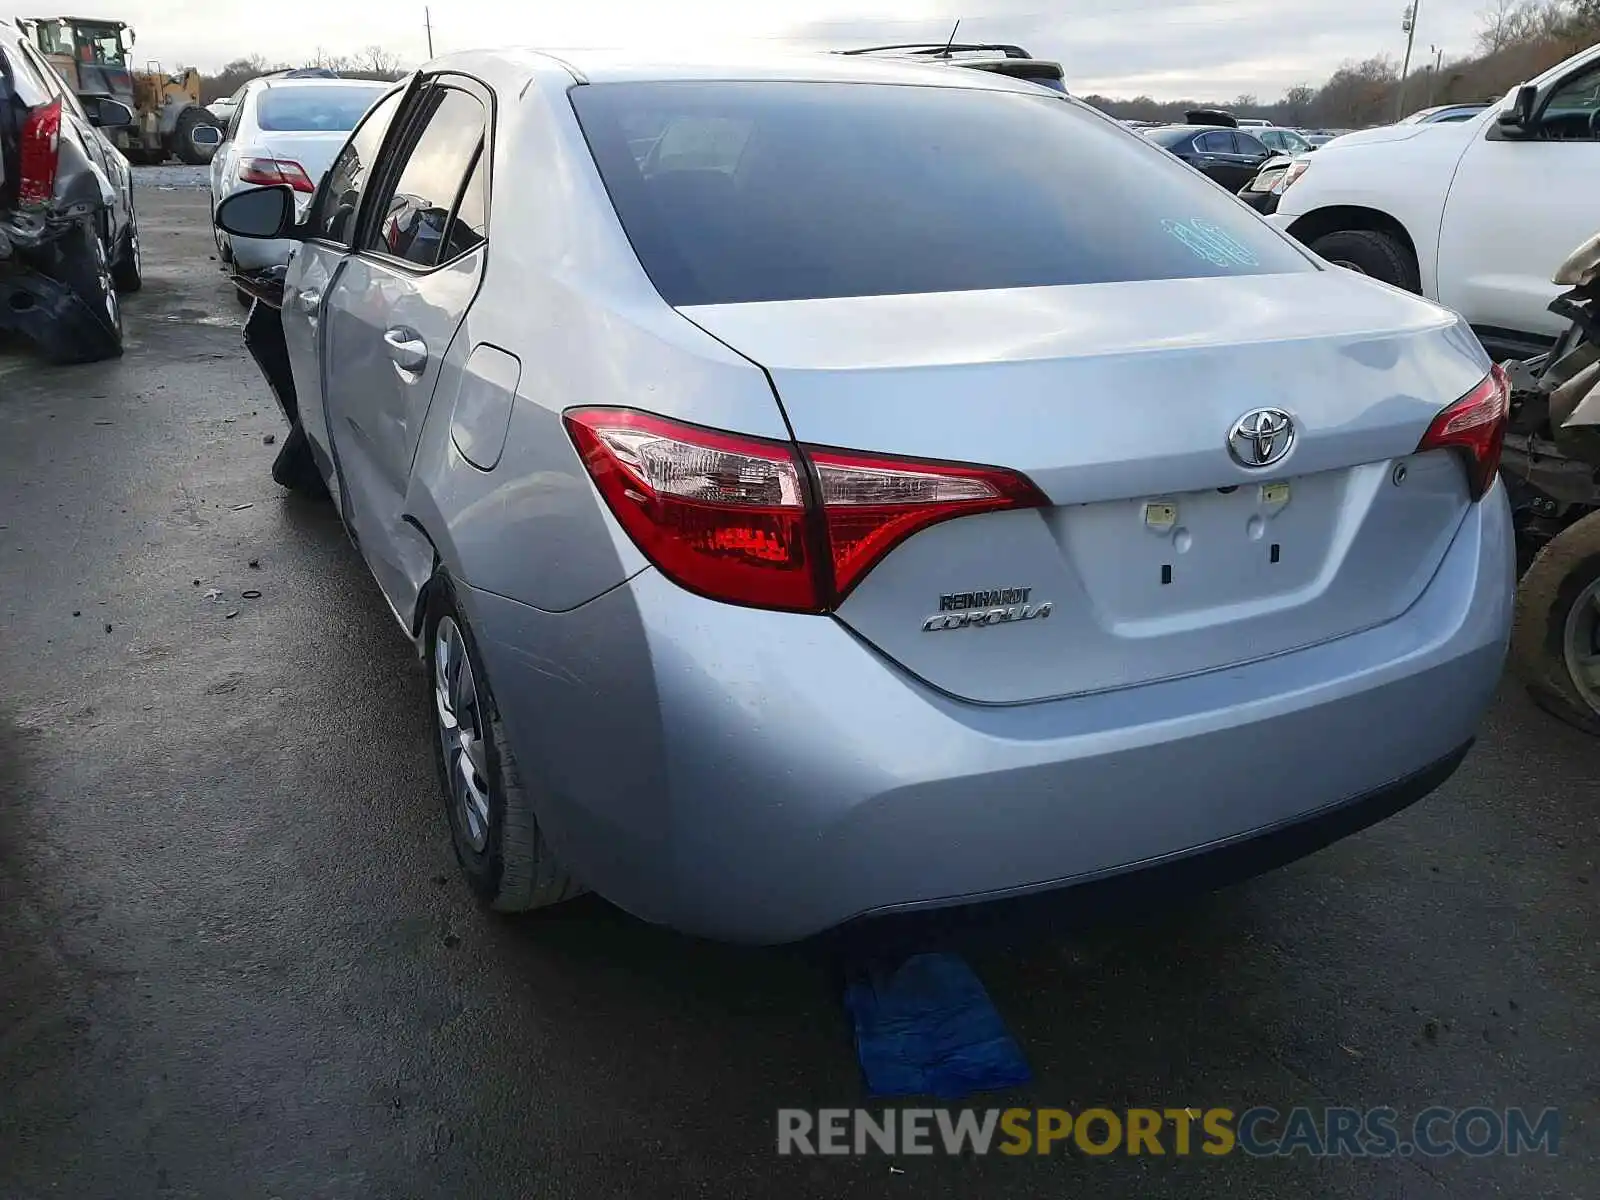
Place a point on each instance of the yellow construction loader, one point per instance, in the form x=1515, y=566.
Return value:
x=92, y=55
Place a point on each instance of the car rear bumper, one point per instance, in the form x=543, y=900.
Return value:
x=761, y=776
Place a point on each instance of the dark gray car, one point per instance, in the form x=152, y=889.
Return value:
x=1230, y=157
x=69, y=237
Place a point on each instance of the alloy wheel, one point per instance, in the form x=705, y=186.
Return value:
x=1581, y=645
x=461, y=734
x=108, y=288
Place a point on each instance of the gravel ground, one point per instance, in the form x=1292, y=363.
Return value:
x=174, y=176
x=236, y=959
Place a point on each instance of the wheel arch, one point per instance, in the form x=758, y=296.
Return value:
x=1336, y=217
x=419, y=607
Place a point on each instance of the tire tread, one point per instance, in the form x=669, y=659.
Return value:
x=1538, y=630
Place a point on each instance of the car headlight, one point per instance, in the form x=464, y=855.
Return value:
x=1296, y=169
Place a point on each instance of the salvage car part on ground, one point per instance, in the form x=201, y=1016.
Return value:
x=1551, y=465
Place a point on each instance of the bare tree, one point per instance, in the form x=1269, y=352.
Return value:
x=329, y=60
x=1358, y=94
x=1498, y=24
x=232, y=76
x=375, y=60
x=1297, y=102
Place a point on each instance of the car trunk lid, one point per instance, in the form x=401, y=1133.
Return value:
x=314, y=151
x=1159, y=555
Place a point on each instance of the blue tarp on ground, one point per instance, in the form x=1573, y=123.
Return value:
x=928, y=1028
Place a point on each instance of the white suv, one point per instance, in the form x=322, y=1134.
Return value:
x=1476, y=214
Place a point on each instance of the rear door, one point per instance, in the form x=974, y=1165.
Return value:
x=1214, y=156
x=224, y=168
x=394, y=309
x=329, y=234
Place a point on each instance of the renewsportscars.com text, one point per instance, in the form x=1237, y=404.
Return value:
x=1260, y=1131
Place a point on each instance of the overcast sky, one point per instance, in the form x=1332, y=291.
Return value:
x=1166, y=48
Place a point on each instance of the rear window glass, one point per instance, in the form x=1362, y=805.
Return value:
x=735, y=192
x=314, y=109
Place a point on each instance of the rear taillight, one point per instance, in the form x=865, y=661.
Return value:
x=1475, y=428
x=269, y=171
x=41, y=153
x=767, y=523
x=1290, y=175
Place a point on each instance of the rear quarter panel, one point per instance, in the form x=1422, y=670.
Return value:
x=564, y=294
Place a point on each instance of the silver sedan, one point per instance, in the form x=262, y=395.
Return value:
x=822, y=488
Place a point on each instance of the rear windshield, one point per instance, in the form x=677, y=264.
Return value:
x=734, y=192
x=315, y=109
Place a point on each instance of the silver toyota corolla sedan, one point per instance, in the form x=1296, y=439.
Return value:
x=823, y=488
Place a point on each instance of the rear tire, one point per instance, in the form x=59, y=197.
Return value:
x=1381, y=256
x=91, y=329
x=502, y=851
x=1558, y=603
x=127, y=273
x=296, y=468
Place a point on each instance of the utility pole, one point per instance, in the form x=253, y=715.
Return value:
x=427, y=23
x=1408, y=23
x=1433, y=72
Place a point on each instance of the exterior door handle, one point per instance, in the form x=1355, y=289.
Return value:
x=309, y=302
x=410, y=352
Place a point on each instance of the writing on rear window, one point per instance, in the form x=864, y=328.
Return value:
x=1211, y=243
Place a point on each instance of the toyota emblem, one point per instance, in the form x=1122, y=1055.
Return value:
x=1262, y=437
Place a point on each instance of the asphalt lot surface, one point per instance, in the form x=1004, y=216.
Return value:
x=236, y=960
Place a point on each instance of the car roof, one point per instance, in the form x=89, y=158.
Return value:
x=622, y=66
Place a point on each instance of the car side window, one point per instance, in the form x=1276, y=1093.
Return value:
x=233, y=123
x=1214, y=143
x=1573, y=110
x=333, y=213
x=416, y=207
x=1250, y=144
x=469, y=226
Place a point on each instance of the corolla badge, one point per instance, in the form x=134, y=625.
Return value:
x=996, y=606
x=1262, y=437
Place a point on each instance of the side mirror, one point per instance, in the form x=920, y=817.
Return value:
x=106, y=113
x=207, y=137
x=1519, y=113
x=263, y=212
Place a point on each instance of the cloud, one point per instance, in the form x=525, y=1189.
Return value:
x=1167, y=48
